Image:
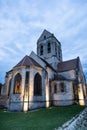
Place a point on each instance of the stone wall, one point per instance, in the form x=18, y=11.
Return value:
x=62, y=98
x=16, y=103
x=71, y=74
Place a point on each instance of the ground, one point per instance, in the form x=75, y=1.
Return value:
x=44, y=119
x=79, y=122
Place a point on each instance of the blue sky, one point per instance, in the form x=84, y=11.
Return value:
x=22, y=22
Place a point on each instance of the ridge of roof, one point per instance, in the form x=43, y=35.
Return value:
x=69, y=60
x=44, y=33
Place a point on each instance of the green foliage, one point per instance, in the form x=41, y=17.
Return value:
x=44, y=119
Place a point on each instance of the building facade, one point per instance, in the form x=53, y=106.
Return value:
x=44, y=79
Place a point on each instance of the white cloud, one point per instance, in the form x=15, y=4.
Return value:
x=21, y=23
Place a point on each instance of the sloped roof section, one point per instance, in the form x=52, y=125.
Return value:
x=67, y=65
x=45, y=34
x=27, y=61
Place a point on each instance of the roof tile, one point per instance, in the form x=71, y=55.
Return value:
x=67, y=65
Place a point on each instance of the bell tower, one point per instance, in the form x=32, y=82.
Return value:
x=49, y=49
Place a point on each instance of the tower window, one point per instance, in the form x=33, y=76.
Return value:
x=49, y=47
x=56, y=49
x=41, y=50
x=44, y=37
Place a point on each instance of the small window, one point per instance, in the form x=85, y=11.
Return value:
x=59, y=57
x=55, y=88
x=62, y=87
x=49, y=48
x=41, y=50
x=56, y=49
x=44, y=37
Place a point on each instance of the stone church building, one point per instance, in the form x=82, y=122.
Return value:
x=44, y=79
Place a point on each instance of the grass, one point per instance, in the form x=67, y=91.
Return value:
x=44, y=119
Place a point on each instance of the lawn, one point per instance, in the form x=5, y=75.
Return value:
x=44, y=119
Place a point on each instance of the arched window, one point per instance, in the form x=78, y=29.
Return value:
x=17, y=84
x=41, y=50
x=37, y=85
x=9, y=87
x=49, y=47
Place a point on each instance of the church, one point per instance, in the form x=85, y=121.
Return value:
x=43, y=80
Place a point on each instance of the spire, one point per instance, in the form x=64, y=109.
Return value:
x=45, y=34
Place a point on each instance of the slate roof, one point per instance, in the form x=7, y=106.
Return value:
x=27, y=61
x=45, y=35
x=68, y=65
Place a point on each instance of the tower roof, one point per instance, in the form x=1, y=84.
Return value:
x=27, y=61
x=45, y=34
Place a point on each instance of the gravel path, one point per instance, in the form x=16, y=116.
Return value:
x=78, y=122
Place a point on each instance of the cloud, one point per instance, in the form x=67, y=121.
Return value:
x=22, y=22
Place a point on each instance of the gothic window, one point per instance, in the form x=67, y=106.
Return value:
x=37, y=85
x=41, y=50
x=9, y=87
x=55, y=88
x=49, y=47
x=62, y=87
x=17, y=84
x=27, y=80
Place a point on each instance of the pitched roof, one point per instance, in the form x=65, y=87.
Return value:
x=45, y=34
x=68, y=65
x=27, y=61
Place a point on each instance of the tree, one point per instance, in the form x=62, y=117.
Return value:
x=0, y=87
